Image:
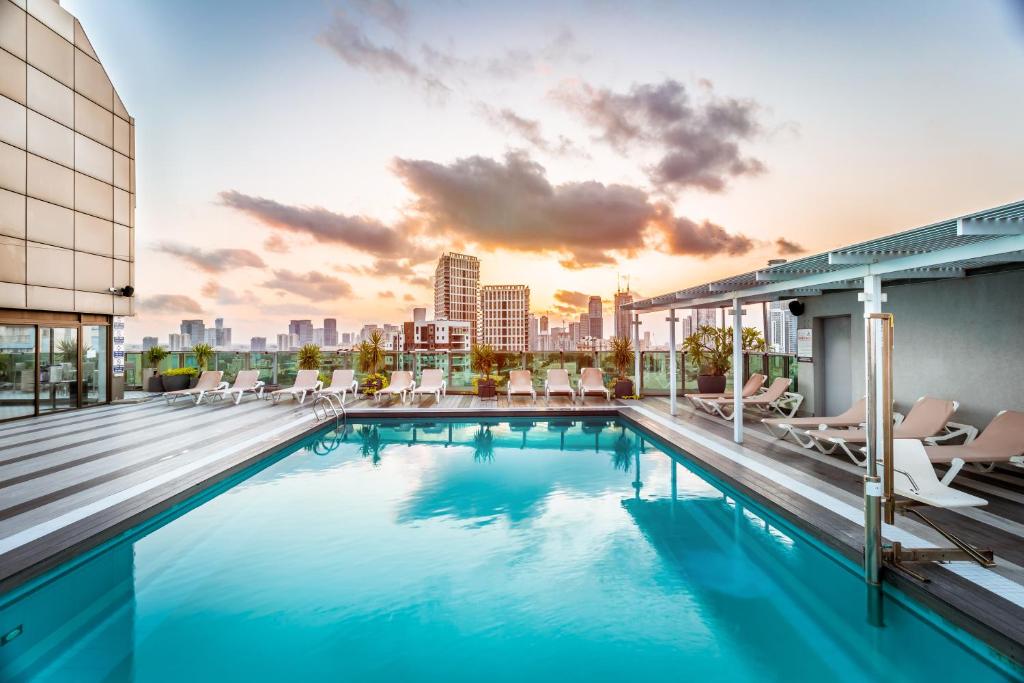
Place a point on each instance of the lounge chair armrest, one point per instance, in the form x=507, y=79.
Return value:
x=223, y=386
x=259, y=384
x=953, y=430
x=546, y=385
x=318, y=386
x=955, y=465
x=444, y=385
x=897, y=419
x=412, y=385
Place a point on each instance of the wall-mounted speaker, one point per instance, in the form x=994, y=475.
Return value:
x=796, y=307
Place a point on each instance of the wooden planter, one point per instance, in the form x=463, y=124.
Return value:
x=175, y=382
x=710, y=384
x=623, y=388
x=487, y=389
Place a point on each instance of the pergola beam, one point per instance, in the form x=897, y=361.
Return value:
x=855, y=258
x=990, y=226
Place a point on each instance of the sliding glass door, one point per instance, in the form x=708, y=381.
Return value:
x=58, y=368
x=95, y=355
x=17, y=371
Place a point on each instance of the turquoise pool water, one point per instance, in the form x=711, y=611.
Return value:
x=511, y=551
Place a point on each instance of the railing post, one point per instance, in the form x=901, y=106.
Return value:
x=273, y=369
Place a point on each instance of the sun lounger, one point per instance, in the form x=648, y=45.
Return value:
x=794, y=426
x=927, y=421
x=592, y=382
x=245, y=380
x=914, y=478
x=520, y=383
x=750, y=387
x=343, y=382
x=306, y=382
x=773, y=399
x=401, y=385
x=432, y=381
x=208, y=381
x=558, y=383
x=1002, y=441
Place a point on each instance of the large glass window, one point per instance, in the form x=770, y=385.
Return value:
x=17, y=370
x=58, y=368
x=94, y=364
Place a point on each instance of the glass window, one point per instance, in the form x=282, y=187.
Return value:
x=94, y=364
x=58, y=368
x=17, y=370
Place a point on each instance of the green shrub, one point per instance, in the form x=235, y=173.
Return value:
x=174, y=372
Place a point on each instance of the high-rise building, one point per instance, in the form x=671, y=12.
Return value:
x=330, y=332
x=149, y=342
x=258, y=344
x=318, y=336
x=303, y=329
x=622, y=316
x=436, y=335
x=457, y=290
x=708, y=316
x=67, y=205
x=595, y=311
x=179, y=342
x=504, y=315
x=346, y=338
x=584, y=325
x=210, y=338
x=782, y=328
x=543, y=324
x=283, y=342
x=533, y=335
x=195, y=329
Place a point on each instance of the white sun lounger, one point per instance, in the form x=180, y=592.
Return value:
x=592, y=382
x=245, y=380
x=432, y=381
x=750, y=388
x=914, y=478
x=773, y=399
x=208, y=381
x=520, y=383
x=401, y=385
x=343, y=382
x=558, y=383
x=306, y=382
x=1002, y=441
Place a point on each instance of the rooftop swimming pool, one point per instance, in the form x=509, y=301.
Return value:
x=502, y=551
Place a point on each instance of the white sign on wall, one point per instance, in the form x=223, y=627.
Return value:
x=118, y=350
x=804, y=345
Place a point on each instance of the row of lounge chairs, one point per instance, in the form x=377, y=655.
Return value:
x=776, y=398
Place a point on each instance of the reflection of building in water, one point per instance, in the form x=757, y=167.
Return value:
x=88, y=612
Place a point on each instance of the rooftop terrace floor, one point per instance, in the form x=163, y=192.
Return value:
x=69, y=481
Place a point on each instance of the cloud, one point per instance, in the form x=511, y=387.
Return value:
x=214, y=260
x=788, y=248
x=228, y=297
x=169, y=303
x=359, y=232
x=510, y=204
x=387, y=294
x=687, y=237
x=311, y=285
x=408, y=297
x=529, y=130
x=387, y=13
x=698, y=143
x=571, y=299
x=276, y=244
x=420, y=281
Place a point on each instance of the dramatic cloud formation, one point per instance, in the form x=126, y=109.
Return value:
x=228, y=297
x=788, y=248
x=698, y=142
x=512, y=205
x=358, y=232
x=311, y=285
x=214, y=260
x=686, y=237
x=169, y=303
x=529, y=130
x=569, y=302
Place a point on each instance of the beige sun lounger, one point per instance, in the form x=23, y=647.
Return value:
x=520, y=383
x=306, y=382
x=245, y=380
x=751, y=387
x=432, y=381
x=1002, y=441
x=592, y=382
x=208, y=381
x=914, y=478
x=927, y=421
x=401, y=385
x=853, y=417
x=558, y=383
x=343, y=382
x=773, y=399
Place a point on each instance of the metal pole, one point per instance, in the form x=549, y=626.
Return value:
x=737, y=371
x=636, y=354
x=872, y=482
x=886, y=320
x=671, y=362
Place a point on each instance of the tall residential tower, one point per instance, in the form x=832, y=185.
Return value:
x=505, y=317
x=457, y=290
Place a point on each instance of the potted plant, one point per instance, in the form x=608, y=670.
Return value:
x=482, y=360
x=622, y=357
x=710, y=349
x=178, y=378
x=151, y=374
x=371, y=356
x=309, y=357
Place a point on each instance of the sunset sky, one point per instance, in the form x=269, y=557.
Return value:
x=302, y=160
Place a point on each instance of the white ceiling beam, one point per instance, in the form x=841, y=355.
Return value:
x=990, y=226
x=856, y=258
x=928, y=274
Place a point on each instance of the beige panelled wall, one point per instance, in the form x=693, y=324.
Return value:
x=67, y=168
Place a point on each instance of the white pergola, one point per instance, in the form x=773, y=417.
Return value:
x=950, y=249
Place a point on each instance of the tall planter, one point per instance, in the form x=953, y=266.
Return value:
x=711, y=384
x=175, y=382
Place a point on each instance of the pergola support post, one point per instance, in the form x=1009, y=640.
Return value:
x=737, y=371
x=671, y=320
x=636, y=354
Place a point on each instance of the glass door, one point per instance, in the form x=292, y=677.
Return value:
x=58, y=368
x=17, y=371
x=94, y=364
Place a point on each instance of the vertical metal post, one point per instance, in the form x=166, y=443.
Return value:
x=737, y=372
x=886, y=321
x=636, y=354
x=872, y=482
x=671, y=319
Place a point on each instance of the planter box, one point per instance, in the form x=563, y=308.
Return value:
x=710, y=384
x=153, y=383
x=487, y=389
x=623, y=388
x=175, y=382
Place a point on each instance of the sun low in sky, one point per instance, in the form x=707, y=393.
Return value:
x=313, y=159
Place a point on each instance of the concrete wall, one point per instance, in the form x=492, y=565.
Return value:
x=958, y=339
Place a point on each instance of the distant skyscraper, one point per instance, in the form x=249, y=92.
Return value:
x=211, y=338
x=584, y=329
x=258, y=344
x=504, y=315
x=218, y=323
x=330, y=332
x=179, y=342
x=595, y=311
x=346, y=338
x=318, y=336
x=543, y=324
x=149, y=342
x=782, y=326
x=533, y=335
x=622, y=315
x=303, y=329
x=283, y=342
x=457, y=290
x=195, y=329
x=708, y=316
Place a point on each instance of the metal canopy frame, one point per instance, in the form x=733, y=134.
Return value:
x=944, y=250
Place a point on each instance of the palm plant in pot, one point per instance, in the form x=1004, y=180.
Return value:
x=710, y=349
x=622, y=357
x=151, y=374
x=309, y=357
x=371, y=357
x=482, y=360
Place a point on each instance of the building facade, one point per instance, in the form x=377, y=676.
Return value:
x=595, y=313
x=330, y=332
x=622, y=329
x=457, y=290
x=303, y=329
x=67, y=214
x=504, y=317
x=149, y=342
x=436, y=335
x=258, y=344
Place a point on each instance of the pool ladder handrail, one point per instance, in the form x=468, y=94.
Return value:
x=327, y=403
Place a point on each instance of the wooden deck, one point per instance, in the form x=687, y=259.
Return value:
x=70, y=481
